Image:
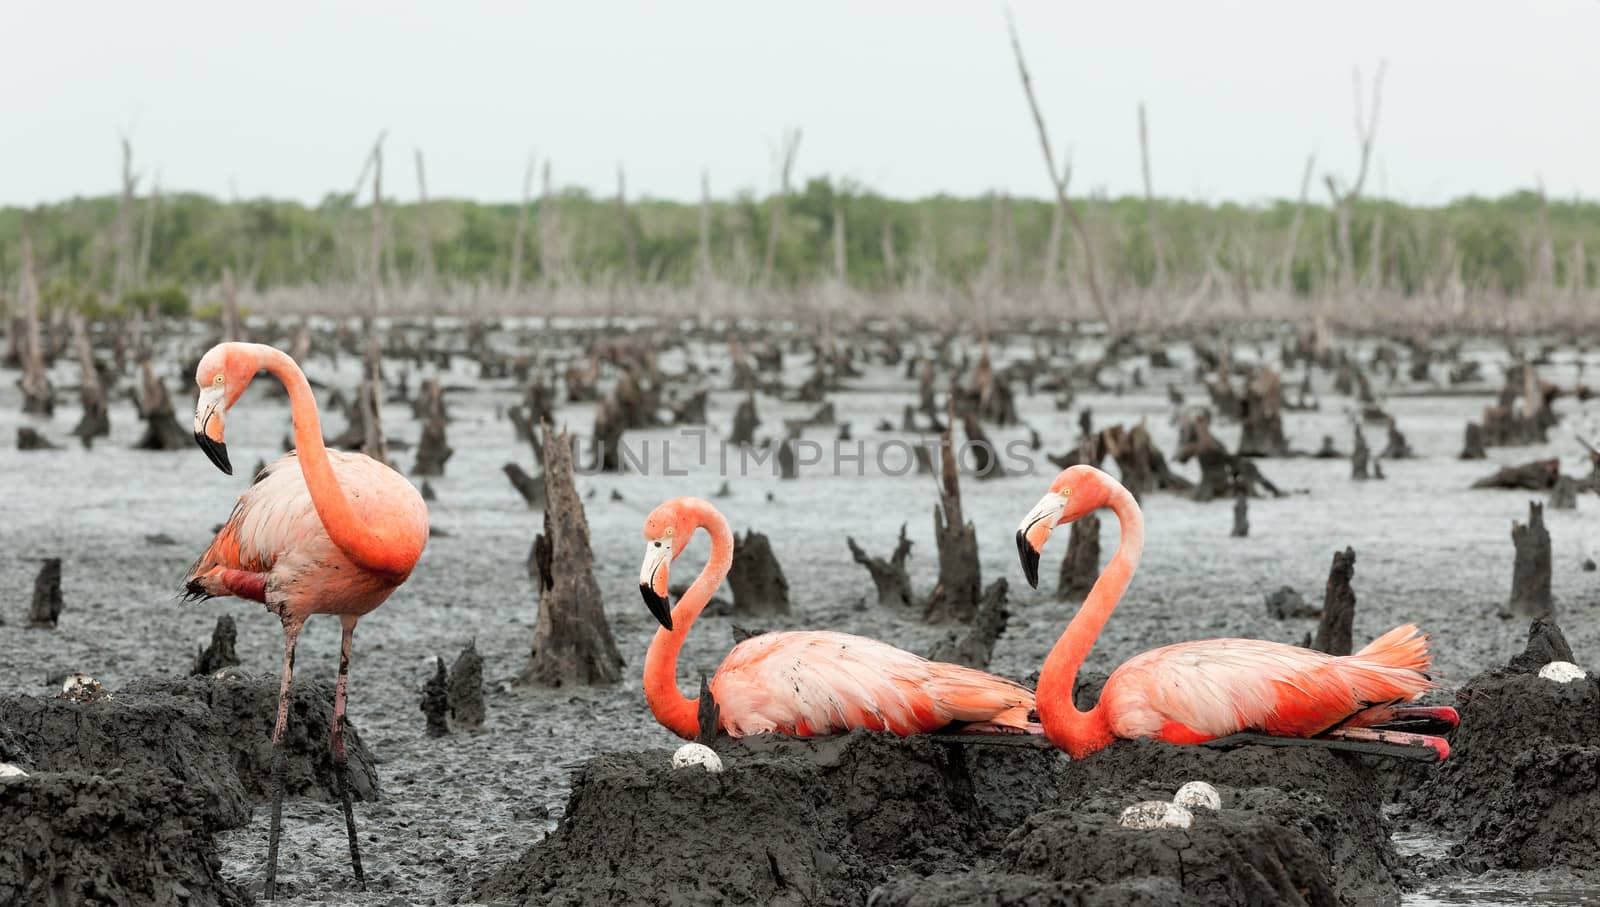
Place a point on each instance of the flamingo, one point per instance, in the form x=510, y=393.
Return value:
x=319, y=532
x=802, y=683
x=1225, y=690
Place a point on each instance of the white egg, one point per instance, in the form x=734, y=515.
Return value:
x=8, y=771
x=1197, y=795
x=1562, y=672
x=697, y=754
x=1155, y=814
x=80, y=687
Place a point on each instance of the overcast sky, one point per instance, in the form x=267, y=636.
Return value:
x=910, y=98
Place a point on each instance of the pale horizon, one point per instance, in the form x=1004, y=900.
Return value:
x=908, y=100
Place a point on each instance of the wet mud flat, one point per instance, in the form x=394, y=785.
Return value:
x=485, y=817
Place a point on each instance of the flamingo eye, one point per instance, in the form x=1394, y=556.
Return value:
x=217, y=380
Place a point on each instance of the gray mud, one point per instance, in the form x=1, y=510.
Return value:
x=127, y=838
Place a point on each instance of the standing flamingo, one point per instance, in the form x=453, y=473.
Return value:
x=1244, y=690
x=806, y=683
x=319, y=532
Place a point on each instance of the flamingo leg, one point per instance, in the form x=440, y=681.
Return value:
x=1369, y=741
x=1420, y=719
x=341, y=764
x=291, y=635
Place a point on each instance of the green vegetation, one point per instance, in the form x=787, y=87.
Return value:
x=1510, y=245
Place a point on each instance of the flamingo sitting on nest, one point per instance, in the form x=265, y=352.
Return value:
x=319, y=532
x=807, y=683
x=1224, y=691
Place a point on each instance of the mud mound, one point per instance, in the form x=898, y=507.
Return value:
x=156, y=736
x=636, y=832
x=211, y=736
x=1522, y=785
x=787, y=822
x=12, y=748
x=1003, y=890
x=1328, y=799
x=1241, y=857
x=81, y=839
x=917, y=801
x=243, y=711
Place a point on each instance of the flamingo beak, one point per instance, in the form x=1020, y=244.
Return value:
x=653, y=580
x=208, y=428
x=1035, y=529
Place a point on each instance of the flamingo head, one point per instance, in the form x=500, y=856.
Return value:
x=224, y=372
x=666, y=532
x=1076, y=492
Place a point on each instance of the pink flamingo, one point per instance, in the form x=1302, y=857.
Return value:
x=319, y=532
x=1227, y=690
x=802, y=683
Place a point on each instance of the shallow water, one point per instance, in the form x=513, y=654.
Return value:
x=1429, y=550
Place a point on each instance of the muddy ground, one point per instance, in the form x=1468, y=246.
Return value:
x=459, y=812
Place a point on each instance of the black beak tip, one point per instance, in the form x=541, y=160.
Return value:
x=1029, y=558
x=217, y=453
x=658, y=605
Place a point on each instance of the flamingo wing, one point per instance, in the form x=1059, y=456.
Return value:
x=273, y=515
x=821, y=682
x=1196, y=691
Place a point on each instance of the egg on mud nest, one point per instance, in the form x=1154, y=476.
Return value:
x=1562, y=672
x=697, y=754
x=80, y=688
x=1155, y=814
x=1198, y=795
x=9, y=771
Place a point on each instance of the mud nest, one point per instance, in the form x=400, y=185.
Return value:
x=1292, y=819
x=787, y=822
x=1521, y=788
x=214, y=737
x=874, y=819
x=75, y=838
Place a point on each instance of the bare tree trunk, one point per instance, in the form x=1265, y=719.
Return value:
x=572, y=643
x=551, y=260
x=375, y=272
x=520, y=238
x=791, y=146
x=1051, y=280
x=1578, y=280
x=1156, y=248
x=1286, y=269
x=37, y=396
x=841, y=272
x=1375, y=277
x=891, y=264
x=993, y=267
x=1090, y=275
x=430, y=270
x=96, y=421
x=704, y=270
x=231, y=329
x=147, y=234
x=630, y=251
x=122, y=275
x=1544, y=268
x=1344, y=200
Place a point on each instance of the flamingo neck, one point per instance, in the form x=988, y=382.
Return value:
x=676, y=712
x=380, y=551
x=1081, y=733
